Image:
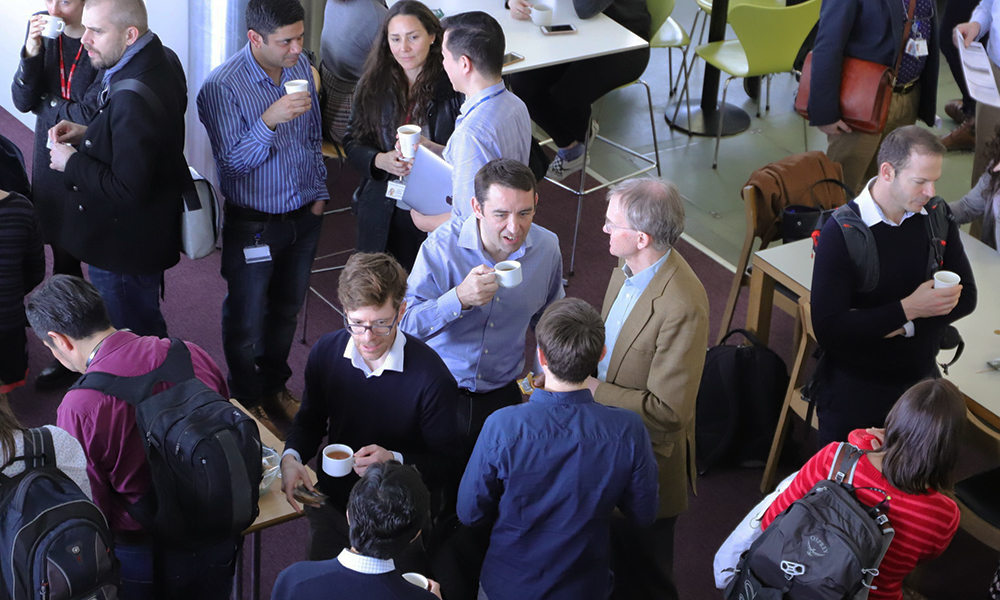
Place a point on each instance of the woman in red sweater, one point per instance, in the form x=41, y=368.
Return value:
x=921, y=441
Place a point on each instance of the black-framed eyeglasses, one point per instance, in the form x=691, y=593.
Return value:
x=359, y=329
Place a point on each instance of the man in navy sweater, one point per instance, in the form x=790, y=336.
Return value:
x=385, y=394
x=387, y=509
x=880, y=342
x=548, y=474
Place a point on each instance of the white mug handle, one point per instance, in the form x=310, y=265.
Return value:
x=60, y=25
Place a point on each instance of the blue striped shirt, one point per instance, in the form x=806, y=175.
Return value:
x=493, y=123
x=270, y=171
x=483, y=346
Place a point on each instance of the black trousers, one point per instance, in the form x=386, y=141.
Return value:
x=642, y=559
x=559, y=97
x=955, y=13
x=845, y=402
x=475, y=407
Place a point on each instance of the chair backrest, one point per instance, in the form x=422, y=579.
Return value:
x=659, y=10
x=772, y=35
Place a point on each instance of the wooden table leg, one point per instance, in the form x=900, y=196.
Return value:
x=760, y=305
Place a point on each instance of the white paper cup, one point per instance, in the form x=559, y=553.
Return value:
x=946, y=279
x=541, y=15
x=409, y=135
x=52, y=26
x=418, y=580
x=338, y=467
x=508, y=273
x=296, y=85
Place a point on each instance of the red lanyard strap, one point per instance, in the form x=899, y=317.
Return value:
x=66, y=82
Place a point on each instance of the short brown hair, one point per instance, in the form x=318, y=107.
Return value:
x=922, y=437
x=897, y=147
x=571, y=334
x=369, y=279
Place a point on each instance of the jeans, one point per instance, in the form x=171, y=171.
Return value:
x=205, y=574
x=260, y=312
x=133, y=301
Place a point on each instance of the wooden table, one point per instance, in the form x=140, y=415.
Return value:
x=597, y=36
x=791, y=265
x=274, y=510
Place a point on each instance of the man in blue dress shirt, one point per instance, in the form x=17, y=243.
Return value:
x=549, y=474
x=387, y=509
x=266, y=145
x=456, y=305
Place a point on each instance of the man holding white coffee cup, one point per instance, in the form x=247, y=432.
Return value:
x=387, y=510
x=377, y=392
x=457, y=305
x=877, y=312
x=266, y=140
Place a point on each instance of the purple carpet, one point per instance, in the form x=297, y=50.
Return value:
x=194, y=294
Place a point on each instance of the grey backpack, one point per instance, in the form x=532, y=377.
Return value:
x=826, y=545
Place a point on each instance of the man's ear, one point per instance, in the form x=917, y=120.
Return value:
x=256, y=40
x=541, y=357
x=131, y=35
x=466, y=64
x=604, y=352
x=59, y=341
x=886, y=172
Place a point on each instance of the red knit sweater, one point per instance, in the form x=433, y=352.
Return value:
x=924, y=523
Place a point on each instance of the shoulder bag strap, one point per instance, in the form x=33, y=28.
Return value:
x=906, y=36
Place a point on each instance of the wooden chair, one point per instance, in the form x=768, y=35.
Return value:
x=976, y=495
x=793, y=397
x=752, y=200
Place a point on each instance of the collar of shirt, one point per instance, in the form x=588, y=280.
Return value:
x=871, y=212
x=641, y=279
x=470, y=239
x=575, y=397
x=365, y=564
x=110, y=344
x=393, y=360
x=131, y=51
x=472, y=101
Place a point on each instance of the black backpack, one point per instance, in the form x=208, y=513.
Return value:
x=826, y=544
x=203, y=452
x=54, y=542
x=739, y=401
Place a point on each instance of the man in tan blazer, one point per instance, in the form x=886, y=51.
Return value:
x=656, y=318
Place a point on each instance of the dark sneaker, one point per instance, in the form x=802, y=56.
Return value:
x=55, y=376
x=283, y=403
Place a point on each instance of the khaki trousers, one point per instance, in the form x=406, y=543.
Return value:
x=857, y=152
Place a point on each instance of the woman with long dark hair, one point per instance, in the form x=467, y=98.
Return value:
x=911, y=461
x=404, y=83
x=983, y=201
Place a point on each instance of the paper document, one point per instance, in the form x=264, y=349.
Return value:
x=978, y=72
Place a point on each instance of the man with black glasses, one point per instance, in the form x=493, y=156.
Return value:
x=385, y=394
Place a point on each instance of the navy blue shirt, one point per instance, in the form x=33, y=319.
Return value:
x=548, y=474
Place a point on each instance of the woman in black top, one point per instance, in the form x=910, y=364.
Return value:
x=404, y=83
x=54, y=81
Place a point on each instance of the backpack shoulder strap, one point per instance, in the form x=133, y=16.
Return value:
x=861, y=248
x=39, y=450
x=134, y=85
x=938, y=221
x=175, y=368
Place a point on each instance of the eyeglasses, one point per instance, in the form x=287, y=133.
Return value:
x=608, y=226
x=359, y=329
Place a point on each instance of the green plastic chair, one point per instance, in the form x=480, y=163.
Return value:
x=768, y=40
x=668, y=34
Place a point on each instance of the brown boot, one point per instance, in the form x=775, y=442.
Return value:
x=283, y=403
x=954, y=110
x=963, y=138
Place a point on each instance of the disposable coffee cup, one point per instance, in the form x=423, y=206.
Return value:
x=508, y=273
x=541, y=15
x=418, y=580
x=52, y=26
x=946, y=279
x=296, y=85
x=338, y=460
x=409, y=136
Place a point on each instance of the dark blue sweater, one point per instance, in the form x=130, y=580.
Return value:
x=413, y=412
x=330, y=580
x=851, y=326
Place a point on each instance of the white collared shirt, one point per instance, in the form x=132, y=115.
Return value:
x=365, y=564
x=871, y=214
x=393, y=359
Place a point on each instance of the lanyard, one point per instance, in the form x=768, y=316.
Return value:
x=476, y=105
x=66, y=82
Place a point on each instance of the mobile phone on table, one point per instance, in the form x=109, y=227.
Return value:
x=558, y=29
x=438, y=13
x=511, y=58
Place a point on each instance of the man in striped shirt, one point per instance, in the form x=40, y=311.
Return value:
x=266, y=144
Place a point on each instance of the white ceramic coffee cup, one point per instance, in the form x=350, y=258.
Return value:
x=296, y=85
x=338, y=467
x=418, y=580
x=946, y=279
x=541, y=15
x=52, y=26
x=409, y=136
x=508, y=273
